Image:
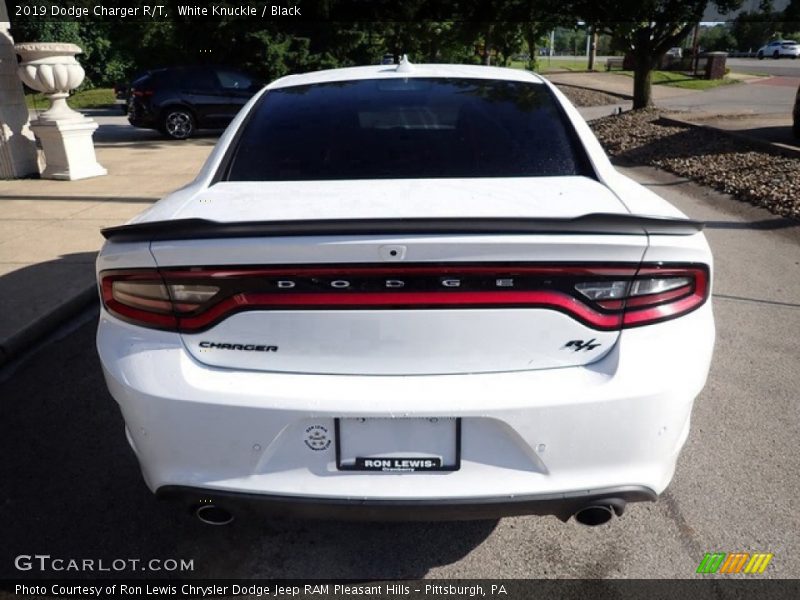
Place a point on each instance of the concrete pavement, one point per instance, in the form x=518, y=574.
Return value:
x=50, y=230
x=754, y=95
x=772, y=95
x=614, y=83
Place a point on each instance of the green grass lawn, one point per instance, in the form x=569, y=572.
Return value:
x=671, y=78
x=683, y=80
x=543, y=65
x=96, y=98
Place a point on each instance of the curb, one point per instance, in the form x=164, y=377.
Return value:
x=772, y=146
x=25, y=339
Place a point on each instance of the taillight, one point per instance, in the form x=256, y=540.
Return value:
x=143, y=298
x=654, y=294
x=664, y=292
x=142, y=93
x=604, y=297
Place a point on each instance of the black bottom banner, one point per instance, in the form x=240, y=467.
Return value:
x=429, y=589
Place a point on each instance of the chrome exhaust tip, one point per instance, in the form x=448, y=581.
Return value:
x=211, y=514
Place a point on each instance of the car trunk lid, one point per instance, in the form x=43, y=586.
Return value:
x=407, y=297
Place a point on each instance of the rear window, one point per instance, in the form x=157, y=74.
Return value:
x=198, y=79
x=155, y=79
x=406, y=128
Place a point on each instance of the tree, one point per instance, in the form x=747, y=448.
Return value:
x=647, y=29
x=753, y=30
x=717, y=38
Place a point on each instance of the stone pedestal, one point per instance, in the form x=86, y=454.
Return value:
x=68, y=148
x=18, y=156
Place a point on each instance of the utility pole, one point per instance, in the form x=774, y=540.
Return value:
x=695, y=46
x=18, y=156
x=592, y=42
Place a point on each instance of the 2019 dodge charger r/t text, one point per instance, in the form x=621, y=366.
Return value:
x=407, y=291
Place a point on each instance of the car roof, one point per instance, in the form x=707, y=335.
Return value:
x=407, y=70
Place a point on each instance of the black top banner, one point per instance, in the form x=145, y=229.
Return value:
x=274, y=10
x=477, y=11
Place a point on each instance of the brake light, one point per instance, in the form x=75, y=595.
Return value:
x=143, y=298
x=604, y=297
x=142, y=93
x=665, y=292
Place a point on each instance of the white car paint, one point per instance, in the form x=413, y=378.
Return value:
x=538, y=418
x=779, y=49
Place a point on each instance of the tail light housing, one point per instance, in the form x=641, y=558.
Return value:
x=603, y=297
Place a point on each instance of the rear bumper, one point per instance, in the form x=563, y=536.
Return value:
x=562, y=506
x=532, y=441
x=139, y=116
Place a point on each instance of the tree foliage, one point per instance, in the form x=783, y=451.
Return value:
x=471, y=31
x=718, y=38
x=647, y=29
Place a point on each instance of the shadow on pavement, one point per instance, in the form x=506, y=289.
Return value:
x=72, y=489
x=117, y=131
x=764, y=225
x=781, y=134
x=39, y=296
x=104, y=198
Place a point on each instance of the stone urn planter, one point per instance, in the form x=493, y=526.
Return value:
x=53, y=70
x=66, y=135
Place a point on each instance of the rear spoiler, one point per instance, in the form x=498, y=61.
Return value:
x=591, y=224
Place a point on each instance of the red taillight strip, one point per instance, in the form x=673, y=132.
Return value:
x=631, y=312
x=438, y=299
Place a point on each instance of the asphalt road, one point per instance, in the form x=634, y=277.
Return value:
x=785, y=67
x=71, y=486
x=773, y=96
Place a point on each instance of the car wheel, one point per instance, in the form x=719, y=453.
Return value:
x=776, y=55
x=760, y=56
x=177, y=123
x=796, y=129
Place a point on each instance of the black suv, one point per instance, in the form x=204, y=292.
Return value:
x=180, y=100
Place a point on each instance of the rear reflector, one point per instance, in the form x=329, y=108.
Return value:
x=604, y=297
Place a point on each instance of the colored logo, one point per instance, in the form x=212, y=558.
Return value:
x=735, y=562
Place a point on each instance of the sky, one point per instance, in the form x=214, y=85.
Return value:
x=748, y=5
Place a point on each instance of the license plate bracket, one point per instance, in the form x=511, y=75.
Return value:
x=399, y=445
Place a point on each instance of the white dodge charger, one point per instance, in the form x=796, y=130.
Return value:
x=407, y=291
